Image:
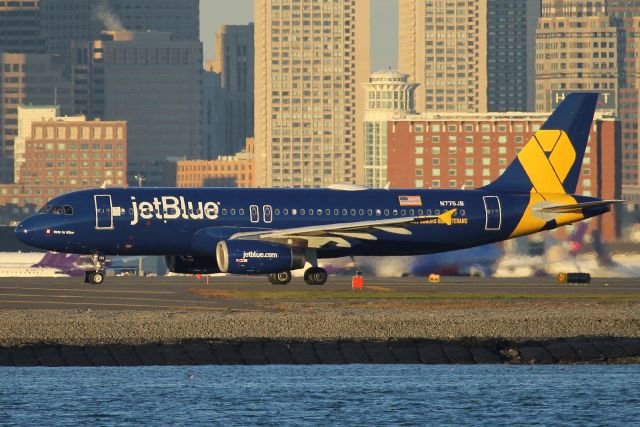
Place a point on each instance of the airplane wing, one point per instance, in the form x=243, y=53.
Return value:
x=317, y=236
x=578, y=206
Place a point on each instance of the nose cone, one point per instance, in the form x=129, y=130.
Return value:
x=24, y=232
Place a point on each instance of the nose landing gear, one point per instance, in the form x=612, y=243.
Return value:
x=96, y=277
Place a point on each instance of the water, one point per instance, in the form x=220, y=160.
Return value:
x=313, y=395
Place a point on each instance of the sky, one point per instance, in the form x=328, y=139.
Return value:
x=384, y=27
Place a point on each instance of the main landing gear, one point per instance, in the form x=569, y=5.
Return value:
x=315, y=276
x=96, y=277
x=281, y=278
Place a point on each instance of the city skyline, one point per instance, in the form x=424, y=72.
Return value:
x=384, y=27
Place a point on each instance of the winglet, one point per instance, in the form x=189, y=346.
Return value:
x=446, y=217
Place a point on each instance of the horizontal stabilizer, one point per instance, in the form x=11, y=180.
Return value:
x=579, y=206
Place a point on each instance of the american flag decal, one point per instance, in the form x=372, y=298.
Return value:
x=410, y=200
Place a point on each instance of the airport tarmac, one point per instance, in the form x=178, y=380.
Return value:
x=247, y=293
x=182, y=320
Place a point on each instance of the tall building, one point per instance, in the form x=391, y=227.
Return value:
x=234, y=63
x=470, y=56
x=593, y=46
x=511, y=61
x=213, y=123
x=64, y=21
x=310, y=60
x=152, y=81
x=20, y=27
x=27, y=79
x=389, y=94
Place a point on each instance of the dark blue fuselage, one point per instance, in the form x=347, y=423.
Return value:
x=183, y=221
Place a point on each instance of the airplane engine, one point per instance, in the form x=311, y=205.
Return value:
x=253, y=257
x=191, y=264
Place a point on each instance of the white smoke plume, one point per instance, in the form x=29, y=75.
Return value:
x=102, y=12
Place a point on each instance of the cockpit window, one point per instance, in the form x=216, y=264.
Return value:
x=57, y=210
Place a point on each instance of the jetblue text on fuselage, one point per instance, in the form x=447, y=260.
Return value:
x=170, y=207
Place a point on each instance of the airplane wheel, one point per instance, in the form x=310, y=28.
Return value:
x=315, y=276
x=95, y=277
x=281, y=278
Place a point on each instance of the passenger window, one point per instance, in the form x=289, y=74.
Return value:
x=224, y=211
x=420, y=212
x=344, y=212
x=319, y=212
x=353, y=212
x=254, y=213
x=285, y=211
x=369, y=212
x=386, y=212
x=361, y=212
x=233, y=211
x=310, y=212
x=336, y=212
x=294, y=212
x=395, y=212
x=327, y=211
x=412, y=212
x=277, y=211
x=378, y=212
x=403, y=212
x=302, y=211
x=241, y=211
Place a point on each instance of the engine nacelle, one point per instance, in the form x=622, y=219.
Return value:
x=253, y=257
x=191, y=264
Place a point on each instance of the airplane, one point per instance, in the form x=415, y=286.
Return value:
x=273, y=231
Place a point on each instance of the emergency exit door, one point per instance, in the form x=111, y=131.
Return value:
x=493, y=213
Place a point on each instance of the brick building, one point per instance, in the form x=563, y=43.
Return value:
x=225, y=171
x=471, y=150
x=63, y=156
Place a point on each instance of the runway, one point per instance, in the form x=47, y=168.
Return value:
x=247, y=293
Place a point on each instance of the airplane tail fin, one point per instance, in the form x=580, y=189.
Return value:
x=551, y=161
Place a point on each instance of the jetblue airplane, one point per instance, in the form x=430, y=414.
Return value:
x=274, y=231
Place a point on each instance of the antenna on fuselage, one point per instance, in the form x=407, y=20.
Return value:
x=388, y=185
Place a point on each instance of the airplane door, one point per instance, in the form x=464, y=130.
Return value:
x=104, y=212
x=493, y=213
